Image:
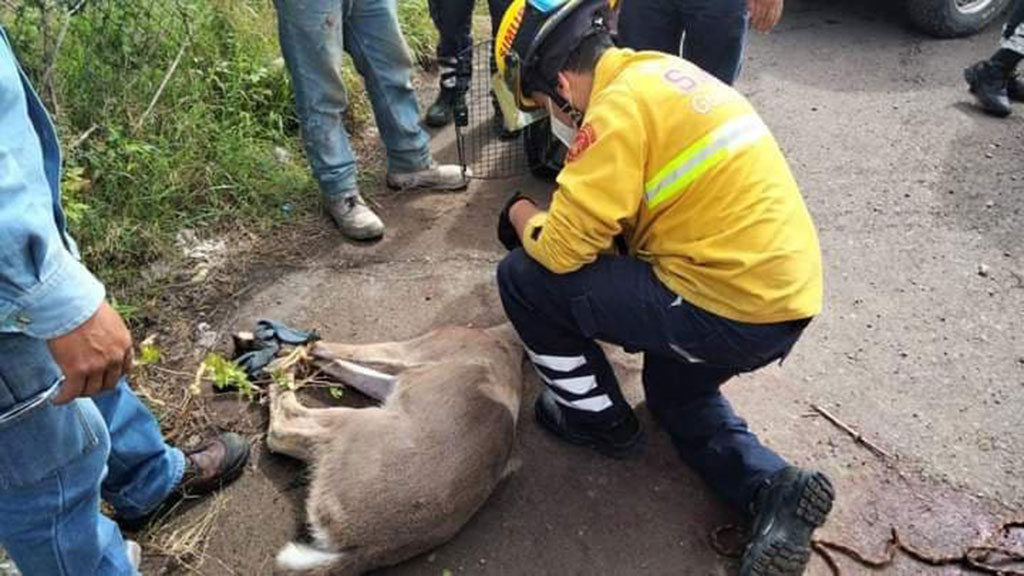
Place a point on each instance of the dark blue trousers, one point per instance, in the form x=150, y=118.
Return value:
x=454, y=19
x=1013, y=30
x=688, y=354
x=715, y=31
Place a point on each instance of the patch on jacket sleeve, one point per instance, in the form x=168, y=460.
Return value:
x=584, y=139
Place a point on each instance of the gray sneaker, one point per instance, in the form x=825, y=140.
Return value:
x=355, y=219
x=436, y=177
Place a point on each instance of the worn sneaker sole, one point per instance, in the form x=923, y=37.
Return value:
x=438, y=187
x=617, y=451
x=783, y=548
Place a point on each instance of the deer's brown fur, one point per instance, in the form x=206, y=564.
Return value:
x=393, y=481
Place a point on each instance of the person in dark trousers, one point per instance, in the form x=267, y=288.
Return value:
x=715, y=29
x=454, y=21
x=718, y=270
x=994, y=81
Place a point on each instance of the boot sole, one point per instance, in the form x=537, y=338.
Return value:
x=618, y=452
x=455, y=188
x=786, y=548
x=361, y=237
x=433, y=124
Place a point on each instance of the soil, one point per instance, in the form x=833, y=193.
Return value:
x=919, y=203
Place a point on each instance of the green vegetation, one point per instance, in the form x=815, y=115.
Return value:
x=149, y=354
x=226, y=375
x=219, y=150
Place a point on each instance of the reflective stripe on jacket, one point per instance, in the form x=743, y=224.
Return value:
x=685, y=170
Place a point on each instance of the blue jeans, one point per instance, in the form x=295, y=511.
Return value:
x=689, y=354
x=57, y=461
x=314, y=34
x=715, y=31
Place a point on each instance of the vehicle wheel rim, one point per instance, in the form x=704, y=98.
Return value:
x=972, y=6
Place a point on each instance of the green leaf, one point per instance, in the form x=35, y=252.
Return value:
x=226, y=375
x=336, y=392
x=149, y=355
x=127, y=311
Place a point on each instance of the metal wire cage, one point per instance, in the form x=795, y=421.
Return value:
x=483, y=145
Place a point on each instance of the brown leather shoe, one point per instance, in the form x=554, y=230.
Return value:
x=214, y=465
x=208, y=468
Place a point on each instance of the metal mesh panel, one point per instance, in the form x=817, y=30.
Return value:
x=483, y=147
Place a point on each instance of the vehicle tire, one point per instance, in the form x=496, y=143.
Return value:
x=544, y=154
x=953, y=18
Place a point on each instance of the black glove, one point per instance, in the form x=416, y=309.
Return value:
x=506, y=232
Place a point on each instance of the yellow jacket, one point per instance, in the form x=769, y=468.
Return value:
x=683, y=167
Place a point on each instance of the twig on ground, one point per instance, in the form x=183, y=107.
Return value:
x=82, y=137
x=163, y=84
x=169, y=371
x=48, y=73
x=299, y=354
x=196, y=388
x=857, y=436
x=977, y=558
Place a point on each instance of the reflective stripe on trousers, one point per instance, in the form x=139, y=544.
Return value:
x=575, y=385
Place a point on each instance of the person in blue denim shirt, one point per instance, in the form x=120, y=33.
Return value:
x=71, y=430
x=314, y=34
x=715, y=30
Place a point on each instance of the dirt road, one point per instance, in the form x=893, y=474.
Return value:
x=919, y=201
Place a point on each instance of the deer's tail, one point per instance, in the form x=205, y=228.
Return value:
x=298, y=557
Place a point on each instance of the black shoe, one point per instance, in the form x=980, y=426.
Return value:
x=208, y=468
x=440, y=112
x=988, y=84
x=616, y=440
x=786, y=512
x=1015, y=88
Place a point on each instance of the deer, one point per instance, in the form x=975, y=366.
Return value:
x=392, y=481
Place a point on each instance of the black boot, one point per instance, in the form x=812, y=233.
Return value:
x=988, y=84
x=1015, y=88
x=440, y=112
x=615, y=439
x=786, y=512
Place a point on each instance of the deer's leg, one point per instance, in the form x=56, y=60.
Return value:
x=373, y=368
x=294, y=428
x=389, y=356
x=375, y=384
x=394, y=357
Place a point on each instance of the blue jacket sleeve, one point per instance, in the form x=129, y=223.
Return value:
x=44, y=290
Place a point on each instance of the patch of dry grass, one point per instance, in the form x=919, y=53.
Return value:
x=183, y=540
